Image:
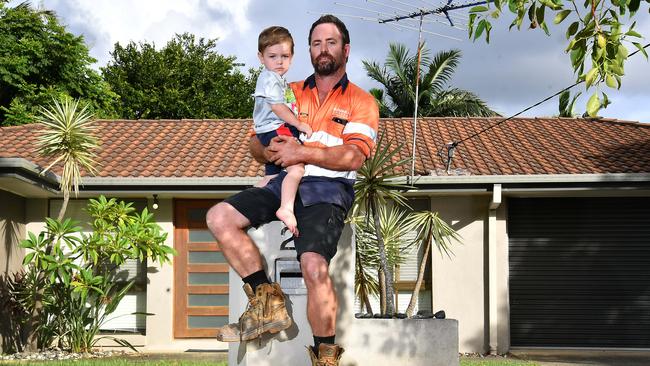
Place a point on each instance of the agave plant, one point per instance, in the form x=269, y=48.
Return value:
x=67, y=138
x=377, y=183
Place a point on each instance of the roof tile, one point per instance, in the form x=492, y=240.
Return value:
x=219, y=148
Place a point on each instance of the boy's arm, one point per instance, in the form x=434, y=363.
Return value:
x=284, y=113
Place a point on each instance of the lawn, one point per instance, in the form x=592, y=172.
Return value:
x=122, y=361
x=494, y=361
x=118, y=362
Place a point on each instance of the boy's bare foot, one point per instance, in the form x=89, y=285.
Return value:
x=289, y=219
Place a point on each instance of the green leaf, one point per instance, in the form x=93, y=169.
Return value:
x=633, y=34
x=611, y=81
x=559, y=18
x=593, y=105
x=478, y=9
x=545, y=28
x=606, y=101
x=591, y=75
x=28, y=258
x=539, y=13
x=634, y=6
x=641, y=49
x=479, y=28
x=602, y=41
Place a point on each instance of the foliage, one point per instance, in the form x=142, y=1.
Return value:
x=597, y=35
x=567, y=103
x=431, y=229
x=67, y=137
x=12, y=312
x=378, y=252
x=185, y=79
x=367, y=252
x=40, y=60
x=80, y=288
x=376, y=183
x=398, y=76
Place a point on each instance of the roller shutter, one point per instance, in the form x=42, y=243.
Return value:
x=579, y=272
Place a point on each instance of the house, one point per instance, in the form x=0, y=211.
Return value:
x=554, y=215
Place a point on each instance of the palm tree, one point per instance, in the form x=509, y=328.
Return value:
x=398, y=77
x=376, y=184
x=431, y=229
x=67, y=138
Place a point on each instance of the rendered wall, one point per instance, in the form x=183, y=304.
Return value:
x=12, y=231
x=460, y=281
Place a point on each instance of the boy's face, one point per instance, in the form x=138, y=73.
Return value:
x=277, y=57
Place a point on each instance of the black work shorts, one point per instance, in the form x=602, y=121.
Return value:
x=319, y=225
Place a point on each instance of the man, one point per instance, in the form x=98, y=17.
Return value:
x=344, y=121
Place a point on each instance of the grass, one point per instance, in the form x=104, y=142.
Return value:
x=494, y=361
x=118, y=362
x=142, y=361
x=121, y=361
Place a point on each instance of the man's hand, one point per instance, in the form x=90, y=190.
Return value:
x=285, y=151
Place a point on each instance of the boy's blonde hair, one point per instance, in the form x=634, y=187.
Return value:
x=272, y=36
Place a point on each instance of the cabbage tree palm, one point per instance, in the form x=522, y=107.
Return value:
x=431, y=230
x=436, y=98
x=67, y=138
x=377, y=182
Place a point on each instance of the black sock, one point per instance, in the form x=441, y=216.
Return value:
x=319, y=340
x=256, y=279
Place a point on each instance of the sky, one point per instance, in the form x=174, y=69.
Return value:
x=515, y=70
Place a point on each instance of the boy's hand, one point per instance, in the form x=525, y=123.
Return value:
x=304, y=128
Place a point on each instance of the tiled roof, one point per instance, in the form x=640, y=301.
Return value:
x=219, y=148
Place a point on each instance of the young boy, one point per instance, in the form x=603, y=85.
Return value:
x=274, y=113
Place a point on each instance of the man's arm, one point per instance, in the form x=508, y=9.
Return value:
x=285, y=151
x=259, y=152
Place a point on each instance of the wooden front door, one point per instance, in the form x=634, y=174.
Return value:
x=200, y=273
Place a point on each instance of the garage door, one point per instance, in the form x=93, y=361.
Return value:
x=579, y=272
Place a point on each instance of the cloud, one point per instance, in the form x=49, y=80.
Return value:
x=517, y=68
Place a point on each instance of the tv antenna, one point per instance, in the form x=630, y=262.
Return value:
x=406, y=15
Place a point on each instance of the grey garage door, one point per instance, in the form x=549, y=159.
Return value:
x=579, y=272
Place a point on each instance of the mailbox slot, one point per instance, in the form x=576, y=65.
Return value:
x=289, y=276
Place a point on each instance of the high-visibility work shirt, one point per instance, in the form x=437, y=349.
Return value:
x=348, y=115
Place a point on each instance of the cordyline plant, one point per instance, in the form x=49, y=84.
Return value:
x=380, y=251
x=80, y=287
x=67, y=137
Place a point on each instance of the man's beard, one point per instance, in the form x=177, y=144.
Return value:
x=325, y=64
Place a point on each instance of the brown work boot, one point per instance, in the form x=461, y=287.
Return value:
x=328, y=355
x=266, y=312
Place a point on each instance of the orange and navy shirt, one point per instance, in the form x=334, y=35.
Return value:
x=348, y=115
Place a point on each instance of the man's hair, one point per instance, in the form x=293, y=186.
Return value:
x=272, y=36
x=328, y=18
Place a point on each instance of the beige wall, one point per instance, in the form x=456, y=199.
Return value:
x=12, y=231
x=459, y=282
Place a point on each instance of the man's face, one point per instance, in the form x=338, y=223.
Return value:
x=327, y=51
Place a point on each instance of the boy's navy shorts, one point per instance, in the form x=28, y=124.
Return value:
x=266, y=137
